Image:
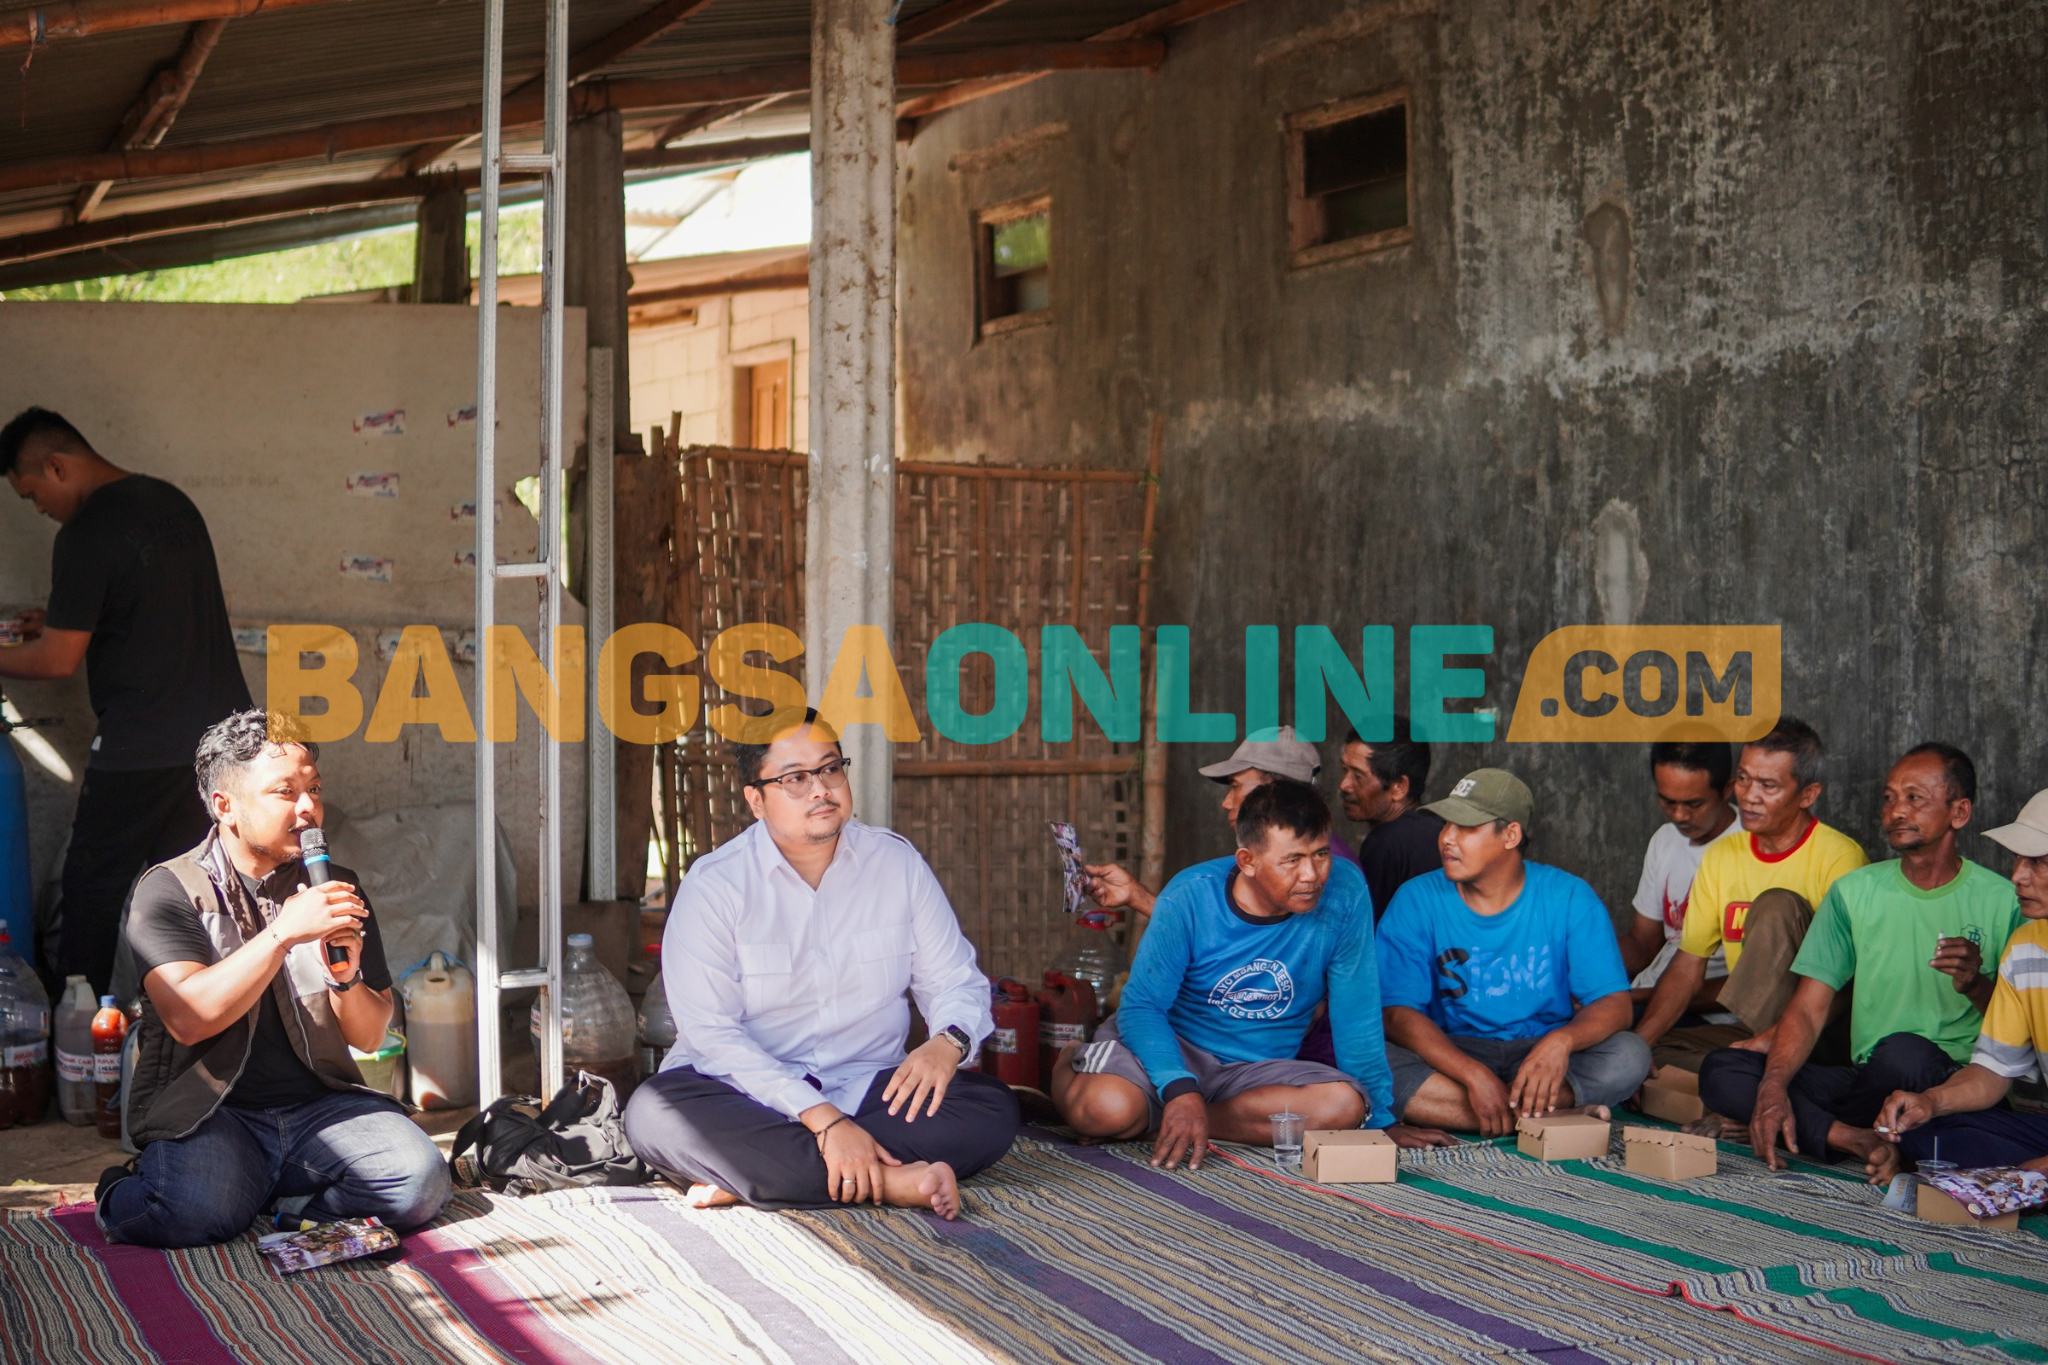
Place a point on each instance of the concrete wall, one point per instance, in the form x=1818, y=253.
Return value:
x=1813, y=396
x=690, y=367
x=254, y=412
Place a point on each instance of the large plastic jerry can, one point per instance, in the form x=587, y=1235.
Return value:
x=440, y=1018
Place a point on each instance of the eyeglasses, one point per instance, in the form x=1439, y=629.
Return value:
x=830, y=776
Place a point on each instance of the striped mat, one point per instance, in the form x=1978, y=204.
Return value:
x=1085, y=1254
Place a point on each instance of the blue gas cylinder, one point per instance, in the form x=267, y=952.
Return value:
x=17, y=904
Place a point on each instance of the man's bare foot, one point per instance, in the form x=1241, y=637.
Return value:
x=1718, y=1128
x=1591, y=1111
x=1880, y=1158
x=922, y=1184
x=709, y=1197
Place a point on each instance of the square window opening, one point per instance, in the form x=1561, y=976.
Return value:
x=1352, y=183
x=1013, y=245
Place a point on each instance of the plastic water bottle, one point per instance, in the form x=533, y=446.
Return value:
x=74, y=1051
x=24, y=1041
x=657, y=1024
x=597, y=1019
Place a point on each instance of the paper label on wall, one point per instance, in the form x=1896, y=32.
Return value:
x=252, y=640
x=373, y=568
x=106, y=1068
x=374, y=483
x=390, y=422
x=463, y=417
x=27, y=1054
x=1059, y=1035
x=1003, y=1040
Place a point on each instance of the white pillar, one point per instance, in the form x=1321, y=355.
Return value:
x=850, y=519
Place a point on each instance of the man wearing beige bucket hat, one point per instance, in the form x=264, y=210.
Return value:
x=1264, y=756
x=1965, y=1113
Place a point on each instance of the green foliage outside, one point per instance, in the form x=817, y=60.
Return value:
x=371, y=260
x=1023, y=244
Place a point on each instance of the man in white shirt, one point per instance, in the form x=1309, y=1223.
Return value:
x=787, y=958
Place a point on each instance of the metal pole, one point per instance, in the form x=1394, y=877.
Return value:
x=554, y=135
x=601, y=856
x=489, y=1061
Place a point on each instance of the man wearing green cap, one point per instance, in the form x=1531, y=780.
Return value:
x=1502, y=981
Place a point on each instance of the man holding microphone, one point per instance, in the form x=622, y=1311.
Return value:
x=255, y=985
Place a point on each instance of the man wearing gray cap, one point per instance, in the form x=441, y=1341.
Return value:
x=1501, y=978
x=1264, y=756
x=1965, y=1113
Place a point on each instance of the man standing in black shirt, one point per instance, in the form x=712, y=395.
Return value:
x=244, y=1095
x=1382, y=786
x=135, y=596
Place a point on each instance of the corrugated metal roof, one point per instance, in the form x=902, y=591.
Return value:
x=306, y=68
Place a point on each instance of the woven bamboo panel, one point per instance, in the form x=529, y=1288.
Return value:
x=1015, y=548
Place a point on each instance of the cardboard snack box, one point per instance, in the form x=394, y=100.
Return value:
x=1673, y=1094
x=1936, y=1207
x=1667, y=1154
x=1348, y=1156
x=1562, y=1137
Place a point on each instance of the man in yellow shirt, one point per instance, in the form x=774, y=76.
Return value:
x=1966, y=1113
x=1753, y=899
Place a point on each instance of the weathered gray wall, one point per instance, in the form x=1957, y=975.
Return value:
x=1815, y=396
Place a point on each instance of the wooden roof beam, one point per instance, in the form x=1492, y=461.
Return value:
x=930, y=24
x=135, y=227
x=710, y=117
x=641, y=29
x=44, y=24
x=150, y=117
x=362, y=135
x=939, y=18
x=1145, y=26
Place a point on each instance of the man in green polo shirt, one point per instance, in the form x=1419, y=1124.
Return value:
x=1914, y=934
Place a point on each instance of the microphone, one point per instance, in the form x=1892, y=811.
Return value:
x=313, y=853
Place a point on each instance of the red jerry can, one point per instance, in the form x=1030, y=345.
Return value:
x=1067, y=1008
x=1011, y=1053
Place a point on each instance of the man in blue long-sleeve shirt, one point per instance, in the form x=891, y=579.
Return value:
x=1240, y=952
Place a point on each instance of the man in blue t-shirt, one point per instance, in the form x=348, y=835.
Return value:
x=1240, y=952
x=1503, y=984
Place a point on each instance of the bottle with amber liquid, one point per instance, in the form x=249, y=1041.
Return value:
x=109, y=1032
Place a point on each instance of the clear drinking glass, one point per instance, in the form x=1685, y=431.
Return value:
x=1287, y=1129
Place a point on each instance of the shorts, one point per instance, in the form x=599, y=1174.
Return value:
x=1216, y=1079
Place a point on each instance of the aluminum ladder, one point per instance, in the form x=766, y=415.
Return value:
x=549, y=164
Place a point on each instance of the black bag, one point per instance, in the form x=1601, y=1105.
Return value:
x=578, y=1139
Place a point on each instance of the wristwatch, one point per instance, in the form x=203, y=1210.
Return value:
x=957, y=1036
x=347, y=985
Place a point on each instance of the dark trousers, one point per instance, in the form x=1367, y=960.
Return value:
x=698, y=1130
x=1992, y=1137
x=1824, y=1095
x=126, y=823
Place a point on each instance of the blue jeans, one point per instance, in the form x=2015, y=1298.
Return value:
x=344, y=1155
x=1606, y=1073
